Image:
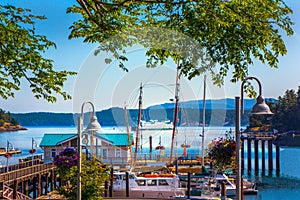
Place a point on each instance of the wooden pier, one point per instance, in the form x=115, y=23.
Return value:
x=260, y=140
x=28, y=179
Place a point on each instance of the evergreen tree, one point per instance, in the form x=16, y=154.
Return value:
x=7, y=117
x=287, y=111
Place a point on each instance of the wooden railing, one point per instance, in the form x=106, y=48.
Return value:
x=25, y=172
x=26, y=162
x=8, y=193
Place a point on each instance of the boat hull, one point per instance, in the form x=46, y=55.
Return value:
x=150, y=193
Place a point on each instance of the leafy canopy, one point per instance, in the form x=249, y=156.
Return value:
x=21, y=56
x=93, y=175
x=232, y=33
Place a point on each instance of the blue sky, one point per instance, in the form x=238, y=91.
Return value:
x=108, y=86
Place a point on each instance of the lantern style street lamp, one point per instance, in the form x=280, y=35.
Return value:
x=260, y=108
x=92, y=126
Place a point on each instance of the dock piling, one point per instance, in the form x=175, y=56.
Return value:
x=249, y=154
x=256, y=155
x=263, y=157
x=270, y=155
x=242, y=154
x=260, y=138
x=277, y=159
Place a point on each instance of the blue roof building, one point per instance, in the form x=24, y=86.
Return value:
x=57, y=139
x=112, y=148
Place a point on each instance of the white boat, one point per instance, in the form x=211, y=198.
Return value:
x=211, y=185
x=148, y=186
x=230, y=187
x=154, y=125
x=214, y=184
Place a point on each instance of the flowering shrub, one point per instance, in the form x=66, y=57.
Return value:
x=93, y=176
x=64, y=161
x=222, y=153
x=66, y=158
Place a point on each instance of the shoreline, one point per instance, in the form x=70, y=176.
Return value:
x=12, y=129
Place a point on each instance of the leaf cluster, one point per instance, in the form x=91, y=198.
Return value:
x=93, y=176
x=22, y=57
x=197, y=33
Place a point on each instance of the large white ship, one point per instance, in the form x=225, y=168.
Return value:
x=155, y=125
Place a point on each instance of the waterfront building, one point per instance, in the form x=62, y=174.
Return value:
x=111, y=148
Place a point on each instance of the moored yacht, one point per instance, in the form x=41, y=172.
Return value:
x=148, y=186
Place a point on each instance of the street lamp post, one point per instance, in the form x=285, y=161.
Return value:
x=238, y=148
x=259, y=108
x=92, y=126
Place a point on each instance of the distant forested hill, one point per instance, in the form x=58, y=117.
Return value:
x=6, y=117
x=218, y=112
x=44, y=119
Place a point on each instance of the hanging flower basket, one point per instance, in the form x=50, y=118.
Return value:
x=159, y=148
x=32, y=151
x=8, y=155
x=185, y=146
x=66, y=158
x=222, y=152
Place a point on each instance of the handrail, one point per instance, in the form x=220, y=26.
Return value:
x=25, y=162
x=27, y=171
x=8, y=191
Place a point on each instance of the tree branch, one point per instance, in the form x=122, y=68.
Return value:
x=82, y=4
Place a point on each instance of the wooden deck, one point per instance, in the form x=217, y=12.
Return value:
x=15, y=151
x=52, y=195
x=30, y=177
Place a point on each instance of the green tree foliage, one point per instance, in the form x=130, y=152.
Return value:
x=233, y=33
x=21, y=56
x=287, y=111
x=93, y=175
x=6, y=117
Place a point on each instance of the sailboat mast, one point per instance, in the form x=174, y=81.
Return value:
x=138, y=124
x=203, y=121
x=128, y=131
x=175, y=112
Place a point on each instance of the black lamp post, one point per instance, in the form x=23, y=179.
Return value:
x=260, y=108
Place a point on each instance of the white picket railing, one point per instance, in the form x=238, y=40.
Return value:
x=8, y=193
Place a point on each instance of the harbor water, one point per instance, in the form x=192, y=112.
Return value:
x=271, y=186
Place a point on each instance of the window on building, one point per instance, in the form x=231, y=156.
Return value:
x=104, y=153
x=118, y=153
x=74, y=143
x=47, y=153
x=53, y=153
x=99, y=152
